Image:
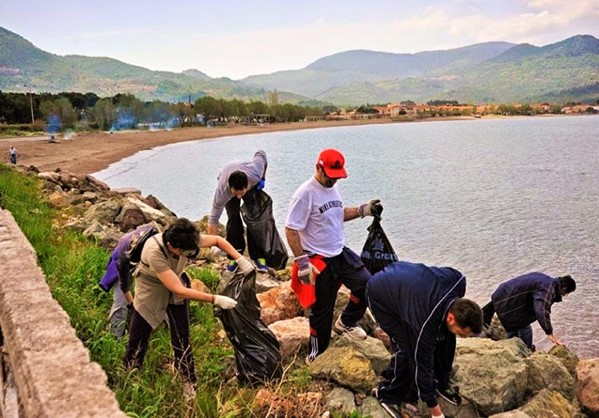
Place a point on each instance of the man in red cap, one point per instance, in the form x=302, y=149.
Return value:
x=315, y=235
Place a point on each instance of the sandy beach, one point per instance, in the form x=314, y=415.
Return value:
x=89, y=152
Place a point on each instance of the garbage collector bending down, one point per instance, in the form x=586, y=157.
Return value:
x=314, y=229
x=525, y=299
x=422, y=309
x=161, y=291
x=234, y=180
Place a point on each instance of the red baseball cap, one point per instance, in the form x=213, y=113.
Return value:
x=332, y=161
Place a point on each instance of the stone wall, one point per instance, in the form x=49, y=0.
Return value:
x=52, y=370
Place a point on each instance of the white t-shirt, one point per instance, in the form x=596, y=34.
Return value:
x=316, y=212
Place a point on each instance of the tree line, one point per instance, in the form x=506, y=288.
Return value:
x=80, y=111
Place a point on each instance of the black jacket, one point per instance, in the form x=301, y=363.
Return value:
x=419, y=296
x=521, y=301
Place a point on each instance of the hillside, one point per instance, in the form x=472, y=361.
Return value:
x=22, y=63
x=361, y=66
x=485, y=72
x=567, y=70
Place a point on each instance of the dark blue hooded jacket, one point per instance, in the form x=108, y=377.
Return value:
x=525, y=299
x=419, y=296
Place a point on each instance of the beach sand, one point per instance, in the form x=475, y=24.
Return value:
x=87, y=153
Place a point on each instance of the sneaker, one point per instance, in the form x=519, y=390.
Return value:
x=451, y=395
x=308, y=360
x=355, y=332
x=261, y=265
x=232, y=266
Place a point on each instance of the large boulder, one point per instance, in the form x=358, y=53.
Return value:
x=104, y=212
x=293, y=335
x=372, y=348
x=278, y=303
x=548, y=403
x=587, y=386
x=492, y=374
x=345, y=366
x=567, y=357
x=547, y=372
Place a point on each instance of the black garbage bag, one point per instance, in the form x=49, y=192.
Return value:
x=378, y=252
x=257, y=215
x=257, y=353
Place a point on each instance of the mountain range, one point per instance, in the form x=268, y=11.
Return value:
x=490, y=72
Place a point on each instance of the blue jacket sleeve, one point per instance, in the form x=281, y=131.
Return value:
x=424, y=355
x=543, y=299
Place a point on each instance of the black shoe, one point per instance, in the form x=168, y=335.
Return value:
x=451, y=395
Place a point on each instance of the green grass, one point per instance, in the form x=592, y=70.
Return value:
x=73, y=265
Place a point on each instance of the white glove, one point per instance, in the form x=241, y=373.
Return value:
x=372, y=208
x=244, y=265
x=306, y=271
x=224, y=302
x=438, y=416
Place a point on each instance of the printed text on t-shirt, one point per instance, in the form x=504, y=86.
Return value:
x=330, y=205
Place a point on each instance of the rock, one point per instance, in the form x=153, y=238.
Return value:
x=587, y=386
x=278, y=303
x=127, y=190
x=58, y=200
x=547, y=372
x=372, y=408
x=293, y=335
x=104, y=212
x=340, y=400
x=130, y=218
x=548, y=403
x=267, y=403
x=568, y=358
x=511, y=414
x=345, y=366
x=97, y=184
x=492, y=374
x=372, y=348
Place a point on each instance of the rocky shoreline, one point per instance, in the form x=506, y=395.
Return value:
x=497, y=377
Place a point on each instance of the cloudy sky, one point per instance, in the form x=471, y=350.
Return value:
x=237, y=38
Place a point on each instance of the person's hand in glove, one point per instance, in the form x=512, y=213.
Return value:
x=372, y=208
x=306, y=271
x=244, y=265
x=260, y=184
x=224, y=302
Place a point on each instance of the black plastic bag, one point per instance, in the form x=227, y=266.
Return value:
x=257, y=352
x=257, y=215
x=378, y=252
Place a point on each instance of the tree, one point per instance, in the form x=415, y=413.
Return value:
x=60, y=108
x=103, y=114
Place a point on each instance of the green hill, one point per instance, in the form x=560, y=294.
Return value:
x=497, y=72
x=23, y=64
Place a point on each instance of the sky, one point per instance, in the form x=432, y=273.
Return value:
x=238, y=38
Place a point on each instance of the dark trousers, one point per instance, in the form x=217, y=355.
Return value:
x=488, y=312
x=235, y=231
x=525, y=334
x=346, y=269
x=139, y=337
x=13, y=158
x=399, y=379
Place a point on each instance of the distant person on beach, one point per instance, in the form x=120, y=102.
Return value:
x=13, y=155
x=422, y=309
x=162, y=288
x=234, y=181
x=315, y=235
x=525, y=299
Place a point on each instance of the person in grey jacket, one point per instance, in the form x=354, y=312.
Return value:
x=525, y=299
x=234, y=181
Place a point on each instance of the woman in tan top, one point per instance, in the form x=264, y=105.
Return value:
x=160, y=291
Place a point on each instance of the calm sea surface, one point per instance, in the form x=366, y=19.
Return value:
x=492, y=198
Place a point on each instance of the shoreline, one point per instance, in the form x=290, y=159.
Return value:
x=89, y=152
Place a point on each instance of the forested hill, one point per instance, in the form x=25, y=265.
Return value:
x=497, y=72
